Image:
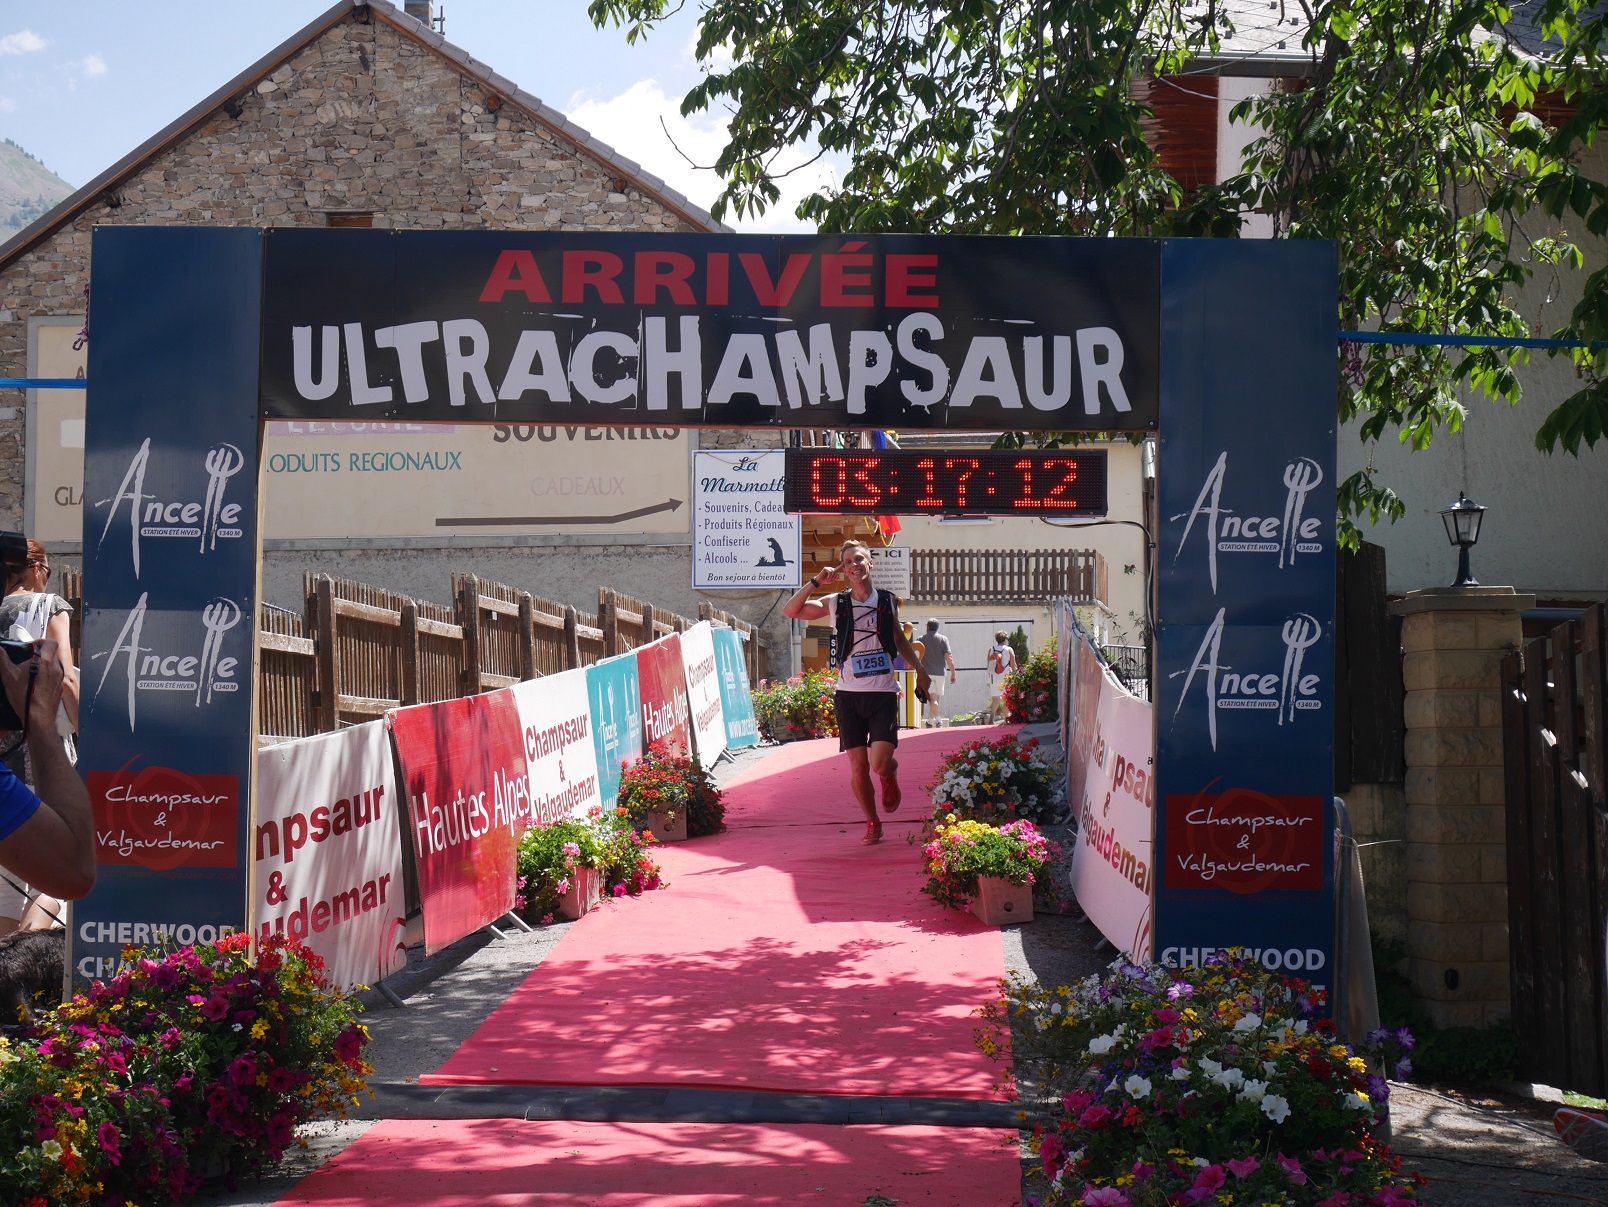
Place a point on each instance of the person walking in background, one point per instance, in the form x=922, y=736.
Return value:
x=935, y=660
x=29, y=611
x=1001, y=662
x=869, y=638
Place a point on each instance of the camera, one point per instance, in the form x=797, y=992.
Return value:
x=19, y=652
x=13, y=550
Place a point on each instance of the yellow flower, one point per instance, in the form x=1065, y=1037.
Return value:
x=259, y=1029
x=1357, y=1064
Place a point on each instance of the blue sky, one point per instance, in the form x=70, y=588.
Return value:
x=82, y=84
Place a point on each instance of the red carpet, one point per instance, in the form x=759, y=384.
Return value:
x=508, y=1161
x=782, y=956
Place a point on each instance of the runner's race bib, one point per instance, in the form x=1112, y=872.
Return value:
x=866, y=666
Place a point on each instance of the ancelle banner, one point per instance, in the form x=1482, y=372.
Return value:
x=328, y=853
x=615, y=692
x=891, y=331
x=468, y=798
x=556, y=724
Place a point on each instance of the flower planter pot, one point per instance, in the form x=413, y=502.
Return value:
x=585, y=890
x=665, y=831
x=1000, y=903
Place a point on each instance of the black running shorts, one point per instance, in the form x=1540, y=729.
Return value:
x=866, y=717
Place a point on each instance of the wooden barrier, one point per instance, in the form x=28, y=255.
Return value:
x=358, y=651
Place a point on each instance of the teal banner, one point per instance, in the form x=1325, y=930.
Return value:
x=616, y=701
x=735, y=696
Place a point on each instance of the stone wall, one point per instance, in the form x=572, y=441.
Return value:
x=1453, y=642
x=364, y=118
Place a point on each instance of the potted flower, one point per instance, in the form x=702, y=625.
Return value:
x=992, y=870
x=790, y=710
x=670, y=796
x=1030, y=690
x=559, y=867
x=997, y=780
x=187, y=1064
x=1201, y=1085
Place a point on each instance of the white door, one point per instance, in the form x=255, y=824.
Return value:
x=969, y=640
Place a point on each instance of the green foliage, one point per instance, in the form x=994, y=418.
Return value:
x=1479, y=1055
x=1018, y=643
x=789, y=710
x=1431, y=151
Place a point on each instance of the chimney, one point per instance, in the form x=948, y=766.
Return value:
x=419, y=10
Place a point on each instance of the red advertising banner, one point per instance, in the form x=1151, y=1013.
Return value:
x=160, y=818
x=1245, y=842
x=666, y=718
x=468, y=800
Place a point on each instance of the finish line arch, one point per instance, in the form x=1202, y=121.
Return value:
x=1224, y=348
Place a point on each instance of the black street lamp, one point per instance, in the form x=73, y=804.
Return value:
x=1462, y=520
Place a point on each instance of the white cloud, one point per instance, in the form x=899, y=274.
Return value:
x=7, y=105
x=644, y=124
x=94, y=65
x=22, y=42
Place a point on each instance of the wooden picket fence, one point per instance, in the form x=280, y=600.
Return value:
x=1555, y=727
x=1007, y=576
x=357, y=651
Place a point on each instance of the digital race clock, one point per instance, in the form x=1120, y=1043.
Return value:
x=947, y=482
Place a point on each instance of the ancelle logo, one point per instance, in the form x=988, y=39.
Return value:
x=150, y=516
x=1288, y=691
x=1287, y=535
x=152, y=670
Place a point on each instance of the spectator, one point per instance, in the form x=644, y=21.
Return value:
x=1001, y=662
x=935, y=659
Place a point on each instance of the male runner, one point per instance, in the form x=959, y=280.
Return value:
x=867, y=697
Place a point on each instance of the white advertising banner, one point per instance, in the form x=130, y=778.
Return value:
x=703, y=693
x=891, y=569
x=328, y=853
x=1113, y=865
x=555, y=723
x=741, y=536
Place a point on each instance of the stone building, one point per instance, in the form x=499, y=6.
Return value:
x=366, y=117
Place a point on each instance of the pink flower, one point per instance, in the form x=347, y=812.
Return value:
x=108, y=1136
x=1052, y=1153
x=1245, y=1168
x=215, y=1008
x=1210, y=1179
x=1293, y=1168
x=243, y=1071
x=1143, y=1172
x=1095, y=1117
x=349, y=1043
x=1104, y=1196
x=1338, y=1199
x=619, y=890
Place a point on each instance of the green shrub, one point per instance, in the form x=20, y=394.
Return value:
x=1030, y=690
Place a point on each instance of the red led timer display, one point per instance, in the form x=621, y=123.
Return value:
x=947, y=482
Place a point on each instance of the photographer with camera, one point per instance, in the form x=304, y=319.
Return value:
x=46, y=827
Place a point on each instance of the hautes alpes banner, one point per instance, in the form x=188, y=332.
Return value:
x=330, y=820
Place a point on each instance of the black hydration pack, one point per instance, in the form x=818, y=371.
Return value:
x=887, y=623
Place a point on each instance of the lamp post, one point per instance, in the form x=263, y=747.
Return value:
x=1462, y=520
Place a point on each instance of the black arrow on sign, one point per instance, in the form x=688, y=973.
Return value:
x=523, y=521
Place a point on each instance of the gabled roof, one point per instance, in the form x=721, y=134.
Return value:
x=510, y=93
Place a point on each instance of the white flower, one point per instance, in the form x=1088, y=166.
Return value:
x=1101, y=1044
x=1180, y=1074
x=1249, y=1023
x=1301, y=1027
x=1253, y=1091
x=1229, y=1079
x=51, y=1149
x=1210, y=1066
x=1200, y=1161
x=1276, y=1107
x=1270, y=1067
x=1057, y=1008
x=1137, y=1086
x=1357, y=1102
